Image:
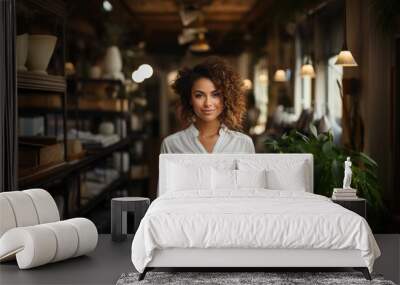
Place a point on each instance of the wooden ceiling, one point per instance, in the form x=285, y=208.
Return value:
x=232, y=25
x=159, y=22
x=229, y=23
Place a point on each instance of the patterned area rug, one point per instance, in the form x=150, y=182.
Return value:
x=230, y=278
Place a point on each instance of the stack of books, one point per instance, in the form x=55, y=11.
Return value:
x=344, y=194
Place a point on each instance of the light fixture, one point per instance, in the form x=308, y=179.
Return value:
x=247, y=84
x=280, y=75
x=345, y=58
x=137, y=76
x=307, y=69
x=200, y=45
x=146, y=70
x=107, y=6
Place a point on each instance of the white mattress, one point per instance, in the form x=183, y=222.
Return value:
x=252, y=218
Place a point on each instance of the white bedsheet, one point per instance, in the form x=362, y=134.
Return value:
x=252, y=218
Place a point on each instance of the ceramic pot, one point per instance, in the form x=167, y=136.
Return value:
x=22, y=51
x=106, y=128
x=40, y=50
x=112, y=62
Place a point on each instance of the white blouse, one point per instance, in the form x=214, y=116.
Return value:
x=187, y=141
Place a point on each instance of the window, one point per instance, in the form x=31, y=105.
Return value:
x=261, y=94
x=335, y=75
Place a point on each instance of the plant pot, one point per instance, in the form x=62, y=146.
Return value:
x=40, y=50
x=22, y=51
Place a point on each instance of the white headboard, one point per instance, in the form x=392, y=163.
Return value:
x=229, y=161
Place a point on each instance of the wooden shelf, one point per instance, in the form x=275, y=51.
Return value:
x=94, y=201
x=50, y=175
x=83, y=113
x=29, y=81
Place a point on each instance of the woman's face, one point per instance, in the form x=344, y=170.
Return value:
x=206, y=100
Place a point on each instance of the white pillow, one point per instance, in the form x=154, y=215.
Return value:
x=181, y=177
x=291, y=179
x=251, y=178
x=224, y=179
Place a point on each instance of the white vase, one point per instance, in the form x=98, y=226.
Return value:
x=22, y=51
x=40, y=50
x=112, y=65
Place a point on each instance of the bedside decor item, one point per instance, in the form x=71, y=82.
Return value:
x=347, y=174
x=344, y=194
x=119, y=209
x=40, y=50
x=22, y=51
x=31, y=231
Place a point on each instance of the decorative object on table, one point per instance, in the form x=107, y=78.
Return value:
x=40, y=50
x=21, y=51
x=344, y=194
x=328, y=168
x=119, y=209
x=31, y=231
x=357, y=205
x=112, y=65
x=347, y=174
x=106, y=128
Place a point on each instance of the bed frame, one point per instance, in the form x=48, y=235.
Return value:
x=246, y=259
x=242, y=259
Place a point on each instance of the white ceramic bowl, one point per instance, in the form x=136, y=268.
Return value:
x=40, y=50
x=22, y=51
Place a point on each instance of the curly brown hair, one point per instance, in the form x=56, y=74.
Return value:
x=225, y=79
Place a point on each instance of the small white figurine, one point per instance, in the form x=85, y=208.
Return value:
x=347, y=174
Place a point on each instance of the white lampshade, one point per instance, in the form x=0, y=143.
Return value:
x=345, y=58
x=307, y=70
x=280, y=75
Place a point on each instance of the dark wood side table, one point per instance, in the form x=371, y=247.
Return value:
x=357, y=205
x=119, y=208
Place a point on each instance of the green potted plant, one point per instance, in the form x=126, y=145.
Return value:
x=329, y=168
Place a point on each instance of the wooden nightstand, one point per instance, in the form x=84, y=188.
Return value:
x=357, y=205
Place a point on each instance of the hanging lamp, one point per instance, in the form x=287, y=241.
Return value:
x=345, y=58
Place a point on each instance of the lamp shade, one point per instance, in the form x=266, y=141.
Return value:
x=345, y=58
x=200, y=45
x=307, y=70
x=280, y=75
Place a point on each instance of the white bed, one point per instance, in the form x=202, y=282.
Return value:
x=219, y=224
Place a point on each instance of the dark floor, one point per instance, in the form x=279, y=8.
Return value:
x=110, y=260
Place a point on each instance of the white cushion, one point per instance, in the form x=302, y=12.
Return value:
x=23, y=208
x=292, y=179
x=251, y=178
x=282, y=174
x=181, y=177
x=224, y=179
x=40, y=244
x=45, y=205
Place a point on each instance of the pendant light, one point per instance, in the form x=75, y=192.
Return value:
x=200, y=45
x=307, y=69
x=280, y=73
x=345, y=58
